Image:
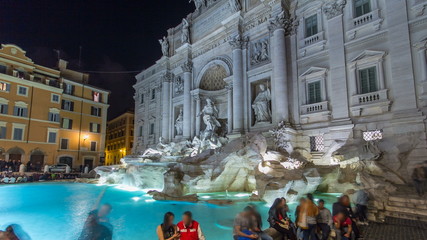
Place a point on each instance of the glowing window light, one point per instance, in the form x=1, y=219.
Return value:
x=373, y=135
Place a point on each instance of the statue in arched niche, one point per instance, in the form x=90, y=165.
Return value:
x=210, y=116
x=179, y=123
x=261, y=105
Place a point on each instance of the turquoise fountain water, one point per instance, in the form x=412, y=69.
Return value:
x=53, y=211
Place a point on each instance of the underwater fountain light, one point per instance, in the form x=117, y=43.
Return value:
x=136, y=199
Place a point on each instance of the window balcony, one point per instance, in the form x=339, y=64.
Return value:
x=312, y=44
x=370, y=103
x=316, y=112
x=370, y=20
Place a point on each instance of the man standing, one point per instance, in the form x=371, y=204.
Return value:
x=324, y=220
x=361, y=201
x=419, y=177
x=189, y=229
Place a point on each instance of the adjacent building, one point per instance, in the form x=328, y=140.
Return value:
x=331, y=70
x=49, y=116
x=119, y=141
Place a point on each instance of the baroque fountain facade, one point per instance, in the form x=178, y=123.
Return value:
x=281, y=98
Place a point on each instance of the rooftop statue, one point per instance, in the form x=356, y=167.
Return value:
x=185, y=35
x=164, y=43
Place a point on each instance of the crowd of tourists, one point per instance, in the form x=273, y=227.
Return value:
x=10, y=177
x=313, y=221
x=10, y=166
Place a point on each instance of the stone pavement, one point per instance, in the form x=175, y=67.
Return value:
x=396, y=229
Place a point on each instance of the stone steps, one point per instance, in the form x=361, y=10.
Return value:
x=407, y=207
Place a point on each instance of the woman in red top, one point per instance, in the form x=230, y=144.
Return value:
x=343, y=225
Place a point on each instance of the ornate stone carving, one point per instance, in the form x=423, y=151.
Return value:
x=261, y=105
x=281, y=21
x=185, y=34
x=167, y=77
x=164, y=43
x=179, y=86
x=235, y=5
x=179, y=123
x=260, y=51
x=213, y=78
x=239, y=42
x=334, y=8
x=187, y=66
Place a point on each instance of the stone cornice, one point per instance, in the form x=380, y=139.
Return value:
x=334, y=8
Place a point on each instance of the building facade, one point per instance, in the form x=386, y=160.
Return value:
x=119, y=141
x=332, y=70
x=49, y=116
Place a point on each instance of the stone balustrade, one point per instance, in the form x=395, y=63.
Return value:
x=315, y=107
x=312, y=39
x=369, y=98
x=367, y=18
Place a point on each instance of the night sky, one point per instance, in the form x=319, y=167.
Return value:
x=115, y=35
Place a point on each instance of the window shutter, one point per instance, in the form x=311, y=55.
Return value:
x=62, y=104
x=71, y=106
x=372, y=80
x=364, y=85
x=99, y=112
x=2, y=132
x=72, y=89
x=92, y=110
x=70, y=124
x=50, y=116
x=15, y=111
x=7, y=87
x=25, y=112
x=5, y=109
x=98, y=128
x=91, y=127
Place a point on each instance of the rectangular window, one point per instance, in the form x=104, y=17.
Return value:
x=18, y=134
x=23, y=91
x=153, y=93
x=68, y=89
x=140, y=131
x=53, y=117
x=96, y=96
x=311, y=26
x=152, y=129
x=20, y=112
x=4, y=87
x=2, y=132
x=3, y=69
x=314, y=92
x=67, y=123
x=51, y=138
x=4, y=108
x=316, y=143
x=141, y=98
x=362, y=7
x=67, y=105
x=95, y=111
x=93, y=146
x=95, y=127
x=55, y=98
x=368, y=80
x=64, y=143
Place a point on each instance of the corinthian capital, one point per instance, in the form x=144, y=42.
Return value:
x=281, y=21
x=187, y=66
x=239, y=42
x=167, y=77
x=334, y=8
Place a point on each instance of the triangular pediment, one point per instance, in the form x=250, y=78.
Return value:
x=314, y=71
x=368, y=54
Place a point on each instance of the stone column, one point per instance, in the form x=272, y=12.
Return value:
x=187, y=68
x=338, y=72
x=230, y=108
x=198, y=119
x=166, y=81
x=238, y=43
x=423, y=64
x=278, y=60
